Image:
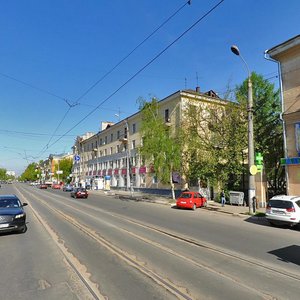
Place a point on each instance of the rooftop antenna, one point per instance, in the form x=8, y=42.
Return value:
x=197, y=79
x=185, y=83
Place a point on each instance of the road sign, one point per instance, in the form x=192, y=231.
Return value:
x=77, y=157
x=253, y=170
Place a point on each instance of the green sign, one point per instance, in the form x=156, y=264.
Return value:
x=259, y=159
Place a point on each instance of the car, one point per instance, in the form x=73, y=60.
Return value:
x=68, y=188
x=56, y=186
x=12, y=214
x=283, y=210
x=43, y=186
x=191, y=200
x=79, y=193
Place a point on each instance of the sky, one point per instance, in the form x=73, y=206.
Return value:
x=60, y=70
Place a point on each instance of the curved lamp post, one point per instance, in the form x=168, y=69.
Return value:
x=251, y=190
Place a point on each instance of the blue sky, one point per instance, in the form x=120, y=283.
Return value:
x=51, y=52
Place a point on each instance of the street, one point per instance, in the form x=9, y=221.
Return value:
x=108, y=248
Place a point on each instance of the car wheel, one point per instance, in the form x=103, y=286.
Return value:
x=194, y=206
x=23, y=229
x=205, y=204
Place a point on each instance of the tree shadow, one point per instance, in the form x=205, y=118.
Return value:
x=288, y=254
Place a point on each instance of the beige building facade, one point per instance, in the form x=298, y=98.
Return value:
x=287, y=55
x=110, y=158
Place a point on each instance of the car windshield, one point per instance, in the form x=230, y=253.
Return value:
x=186, y=195
x=4, y=203
x=280, y=204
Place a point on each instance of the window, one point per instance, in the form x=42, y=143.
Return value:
x=167, y=117
x=111, y=137
x=133, y=144
x=125, y=132
x=118, y=134
x=111, y=150
x=100, y=142
x=105, y=140
x=105, y=152
x=133, y=128
x=118, y=149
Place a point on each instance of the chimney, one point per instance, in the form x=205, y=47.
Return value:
x=197, y=89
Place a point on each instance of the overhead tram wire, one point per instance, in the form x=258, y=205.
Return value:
x=110, y=71
x=133, y=50
x=142, y=69
x=96, y=83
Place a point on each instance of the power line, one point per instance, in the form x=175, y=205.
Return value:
x=143, y=68
x=110, y=71
x=32, y=86
x=132, y=51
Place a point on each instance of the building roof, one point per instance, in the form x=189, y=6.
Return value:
x=284, y=47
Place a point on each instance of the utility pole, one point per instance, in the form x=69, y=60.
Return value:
x=252, y=167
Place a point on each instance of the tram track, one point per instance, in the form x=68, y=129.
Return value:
x=179, y=292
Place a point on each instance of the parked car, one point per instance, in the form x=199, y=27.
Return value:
x=43, y=186
x=68, y=188
x=12, y=214
x=56, y=186
x=283, y=210
x=79, y=193
x=191, y=200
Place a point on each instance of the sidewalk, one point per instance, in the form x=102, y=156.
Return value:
x=242, y=211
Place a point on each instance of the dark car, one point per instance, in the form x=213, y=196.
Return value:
x=68, y=188
x=12, y=214
x=43, y=186
x=79, y=193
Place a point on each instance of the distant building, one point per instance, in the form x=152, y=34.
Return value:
x=103, y=157
x=287, y=55
x=11, y=173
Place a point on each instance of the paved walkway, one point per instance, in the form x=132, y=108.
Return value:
x=212, y=205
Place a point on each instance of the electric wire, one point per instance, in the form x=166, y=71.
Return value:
x=142, y=69
x=110, y=71
x=132, y=51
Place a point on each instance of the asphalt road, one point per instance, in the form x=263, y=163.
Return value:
x=108, y=248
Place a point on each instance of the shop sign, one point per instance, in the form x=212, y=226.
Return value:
x=142, y=170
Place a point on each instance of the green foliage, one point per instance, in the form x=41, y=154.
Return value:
x=161, y=147
x=3, y=175
x=216, y=135
x=268, y=132
x=64, y=165
x=30, y=173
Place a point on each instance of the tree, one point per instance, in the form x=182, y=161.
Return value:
x=64, y=165
x=268, y=132
x=161, y=146
x=30, y=173
x=215, y=141
x=3, y=175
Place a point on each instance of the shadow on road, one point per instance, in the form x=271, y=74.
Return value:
x=288, y=254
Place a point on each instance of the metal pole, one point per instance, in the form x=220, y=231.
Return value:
x=251, y=192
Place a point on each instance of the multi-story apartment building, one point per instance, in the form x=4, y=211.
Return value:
x=111, y=156
x=287, y=55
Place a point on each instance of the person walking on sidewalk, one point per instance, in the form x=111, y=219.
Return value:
x=223, y=199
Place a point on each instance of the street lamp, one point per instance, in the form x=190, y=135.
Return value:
x=252, y=169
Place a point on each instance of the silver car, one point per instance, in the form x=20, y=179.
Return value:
x=283, y=209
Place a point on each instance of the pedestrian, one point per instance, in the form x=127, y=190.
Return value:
x=223, y=199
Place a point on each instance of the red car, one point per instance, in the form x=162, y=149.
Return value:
x=79, y=193
x=56, y=186
x=191, y=200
